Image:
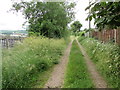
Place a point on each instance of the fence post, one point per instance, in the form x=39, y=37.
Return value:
x=115, y=34
x=7, y=43
x=118, y=36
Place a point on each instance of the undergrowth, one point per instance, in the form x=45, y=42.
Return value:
x=22, y=63
x=106, y=56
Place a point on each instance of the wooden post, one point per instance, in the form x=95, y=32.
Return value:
x=118, y=36
x=115, y=34
x=7, y=43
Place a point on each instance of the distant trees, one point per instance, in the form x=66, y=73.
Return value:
x=76, y=26
x=46, y=18
x=105, y=14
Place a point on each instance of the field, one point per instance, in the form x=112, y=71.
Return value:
x=23, y=64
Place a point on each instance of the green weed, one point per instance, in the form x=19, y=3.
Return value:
x=77, y=75
x=26, y=60
x=107, y=59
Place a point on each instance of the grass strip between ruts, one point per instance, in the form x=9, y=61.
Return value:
x=77, y=75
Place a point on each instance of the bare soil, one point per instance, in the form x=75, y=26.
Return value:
x=57, y=77
x=98, y=80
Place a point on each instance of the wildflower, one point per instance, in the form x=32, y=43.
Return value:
x=110, y=66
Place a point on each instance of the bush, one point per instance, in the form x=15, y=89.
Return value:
x=107, y=59
x=34, y=55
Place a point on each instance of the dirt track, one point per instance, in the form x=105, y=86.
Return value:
x=98, y=81
x=57, y=76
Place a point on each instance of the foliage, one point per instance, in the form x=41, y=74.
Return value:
x=35, y=55
x=106, y=14
x=46, y=18
x=82, y=33
x=76, y=26
x=106, y=58
x=77, y=75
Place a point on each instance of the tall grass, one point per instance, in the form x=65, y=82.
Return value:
x=25, y=60
x=107, y=59
x=77, y=75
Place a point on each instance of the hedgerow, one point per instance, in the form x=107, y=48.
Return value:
x=106, y=56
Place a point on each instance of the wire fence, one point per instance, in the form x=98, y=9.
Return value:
x=9, y=42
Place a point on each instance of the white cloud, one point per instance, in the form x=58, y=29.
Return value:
x=9, y=21
x=81, y=14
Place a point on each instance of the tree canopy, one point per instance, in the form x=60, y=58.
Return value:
x=105, y=14
x=46, y=18
x=76, y=26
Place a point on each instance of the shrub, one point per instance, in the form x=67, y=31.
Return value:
x=106, y=57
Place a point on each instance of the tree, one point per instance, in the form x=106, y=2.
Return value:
x=76, y=26
x=105, y=14
x=46, y=18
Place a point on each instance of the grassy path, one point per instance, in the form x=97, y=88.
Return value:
x=97, y=79
x=77, y=75
x=57, y=76
x=80, y=72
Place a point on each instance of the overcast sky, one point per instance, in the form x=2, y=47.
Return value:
x=10, y=21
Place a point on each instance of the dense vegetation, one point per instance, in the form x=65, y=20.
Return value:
x=46, y=18
x=36, y=55
x=76, y=26
x=77, y=75
x=24, y=63
x=107, y=59
x=25, y=60
x=106, y=14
